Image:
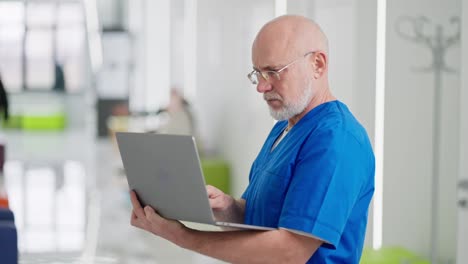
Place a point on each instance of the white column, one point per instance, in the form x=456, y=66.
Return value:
x=190, y=49
x=281, y=7
x=137, y=80
x=157, y=65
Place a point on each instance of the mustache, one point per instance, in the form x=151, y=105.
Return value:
x=272, y=96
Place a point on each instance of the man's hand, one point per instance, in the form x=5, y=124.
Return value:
x=276, y=246
x=225, y=208
x=147, y=219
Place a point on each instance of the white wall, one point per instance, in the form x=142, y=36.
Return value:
x=302, y=7
x=408, y=135
x=462, y=232
x=337, y=20
x=364, y=61
x=233, y=119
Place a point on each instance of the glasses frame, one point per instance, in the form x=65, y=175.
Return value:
x=276, y=73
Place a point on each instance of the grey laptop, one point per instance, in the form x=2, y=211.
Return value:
x=165, y=172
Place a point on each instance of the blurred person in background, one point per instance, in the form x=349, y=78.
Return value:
x=59, y=82
x=312, y=180
x=180, y=117
x=3, y=101
x=5, y=116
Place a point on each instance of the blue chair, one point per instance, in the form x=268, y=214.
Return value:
x=8, y=237
x=6, y=215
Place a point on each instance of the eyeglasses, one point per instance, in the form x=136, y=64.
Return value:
x=254, y=76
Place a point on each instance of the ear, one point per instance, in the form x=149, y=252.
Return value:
x=319, y=63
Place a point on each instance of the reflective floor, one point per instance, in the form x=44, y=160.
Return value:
x=70, y=198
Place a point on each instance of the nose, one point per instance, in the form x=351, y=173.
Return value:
x=264, y=86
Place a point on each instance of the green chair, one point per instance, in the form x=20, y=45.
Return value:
x=216, y=172
x=391, y=255
x=55, y=121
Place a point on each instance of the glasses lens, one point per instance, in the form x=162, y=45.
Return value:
x=253, y=77
x=274, y=75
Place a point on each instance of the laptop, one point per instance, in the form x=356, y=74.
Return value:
x=165, y=172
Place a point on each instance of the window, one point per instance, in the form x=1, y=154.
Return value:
x=42, y=45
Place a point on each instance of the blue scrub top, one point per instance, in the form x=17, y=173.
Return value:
x=319, y=180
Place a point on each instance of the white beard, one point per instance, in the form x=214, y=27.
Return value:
x=292, y=109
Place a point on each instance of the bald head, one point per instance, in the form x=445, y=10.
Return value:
x=284, y=46
x=290, y=35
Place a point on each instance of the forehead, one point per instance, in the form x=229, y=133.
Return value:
x=268, y=52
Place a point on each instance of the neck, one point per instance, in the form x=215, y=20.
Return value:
x=323, y=96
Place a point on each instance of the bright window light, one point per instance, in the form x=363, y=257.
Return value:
x=94, y=34
x=379, y=124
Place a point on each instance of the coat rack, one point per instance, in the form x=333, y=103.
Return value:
x=438, y=43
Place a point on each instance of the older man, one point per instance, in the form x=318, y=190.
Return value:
x=314, y=176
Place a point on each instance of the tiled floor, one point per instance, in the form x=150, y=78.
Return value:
x=71, y=204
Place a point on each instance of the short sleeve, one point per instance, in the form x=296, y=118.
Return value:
x=328, y=178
